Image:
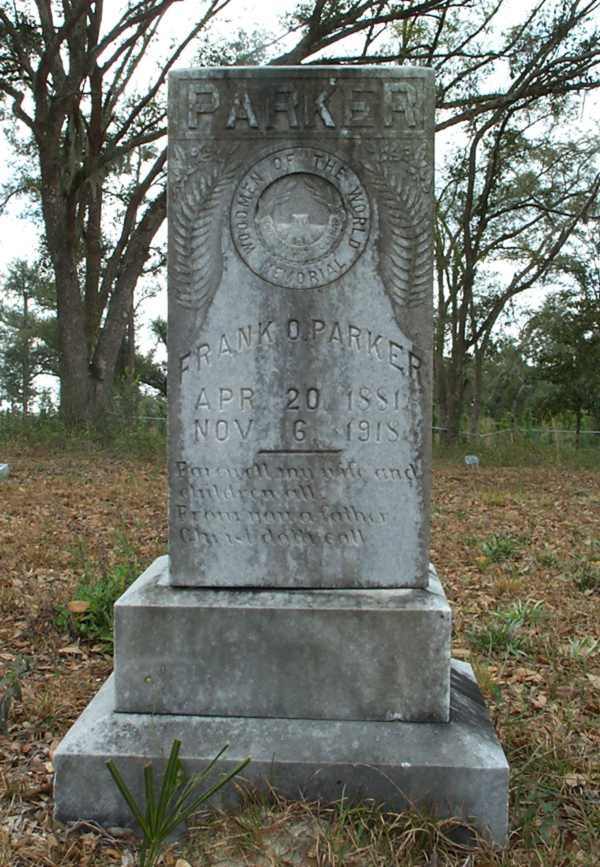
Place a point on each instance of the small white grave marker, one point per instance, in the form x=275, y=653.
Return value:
x=471, y=461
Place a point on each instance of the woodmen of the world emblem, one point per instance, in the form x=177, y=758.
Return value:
x=300, y=218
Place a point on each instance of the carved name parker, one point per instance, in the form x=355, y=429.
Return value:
x=313, y=102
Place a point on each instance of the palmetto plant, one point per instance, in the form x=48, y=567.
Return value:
x=178, y=799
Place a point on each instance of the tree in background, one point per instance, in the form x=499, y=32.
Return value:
x=510, y=203
x=27, y=333
x=147, y=369
x=562, y=340
x=508, y=389
x=72, y=76
x=96, y=124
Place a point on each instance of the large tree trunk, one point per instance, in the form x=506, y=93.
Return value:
x=88, y=346
x=25, y=365
x=125, y=369
x=63, y=245
x=475, y=409
x=120, y=306
x=451, y=398
x=450, y=402
x=454, y=408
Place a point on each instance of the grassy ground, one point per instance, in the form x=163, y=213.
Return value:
x=519, y=552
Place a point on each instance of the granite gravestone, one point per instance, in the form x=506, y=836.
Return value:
x=300, y=329
x=297, y=616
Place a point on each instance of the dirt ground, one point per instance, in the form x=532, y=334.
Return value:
x=518, y=551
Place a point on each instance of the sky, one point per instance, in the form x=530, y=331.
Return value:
x=20, y=236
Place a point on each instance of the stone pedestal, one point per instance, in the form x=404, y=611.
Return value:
x=306, y=654
x=329, y=692
x=297, y=617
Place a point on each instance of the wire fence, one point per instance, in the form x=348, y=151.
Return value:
x=549, y=436
x=540, y=435
x=519, y=430
x=543, y=436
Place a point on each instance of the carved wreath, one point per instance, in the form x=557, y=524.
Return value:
x=405, y=256
x=197, y=229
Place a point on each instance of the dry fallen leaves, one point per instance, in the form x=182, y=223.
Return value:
x=574, y=780
x=71, y=649
x=549, y=701
x=77, y=606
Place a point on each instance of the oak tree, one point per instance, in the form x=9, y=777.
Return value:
x=77, y=81
x=71, y=74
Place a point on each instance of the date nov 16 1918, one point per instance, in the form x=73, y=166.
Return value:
x=346, y=409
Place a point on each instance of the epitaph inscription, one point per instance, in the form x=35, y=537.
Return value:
x=300, y=327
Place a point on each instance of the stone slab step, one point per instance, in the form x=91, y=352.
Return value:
x=380, y=654
x=453, y=769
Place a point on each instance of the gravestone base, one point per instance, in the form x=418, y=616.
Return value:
x=360, y=654
x=450, y=769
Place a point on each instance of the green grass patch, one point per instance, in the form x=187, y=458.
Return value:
x=499, y=639
x=498, y=547
x=581, y=648
x=504, y=634
x=547, y=558
x=585, y=568
x=89, y=614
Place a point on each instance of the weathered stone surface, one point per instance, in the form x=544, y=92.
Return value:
x=300, y=326
x=314, y=654
x=454, y=769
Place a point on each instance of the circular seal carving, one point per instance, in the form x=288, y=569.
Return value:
x=300, y=218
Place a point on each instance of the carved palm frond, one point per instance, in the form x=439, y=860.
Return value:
x=405, y=255
x=197, y=228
